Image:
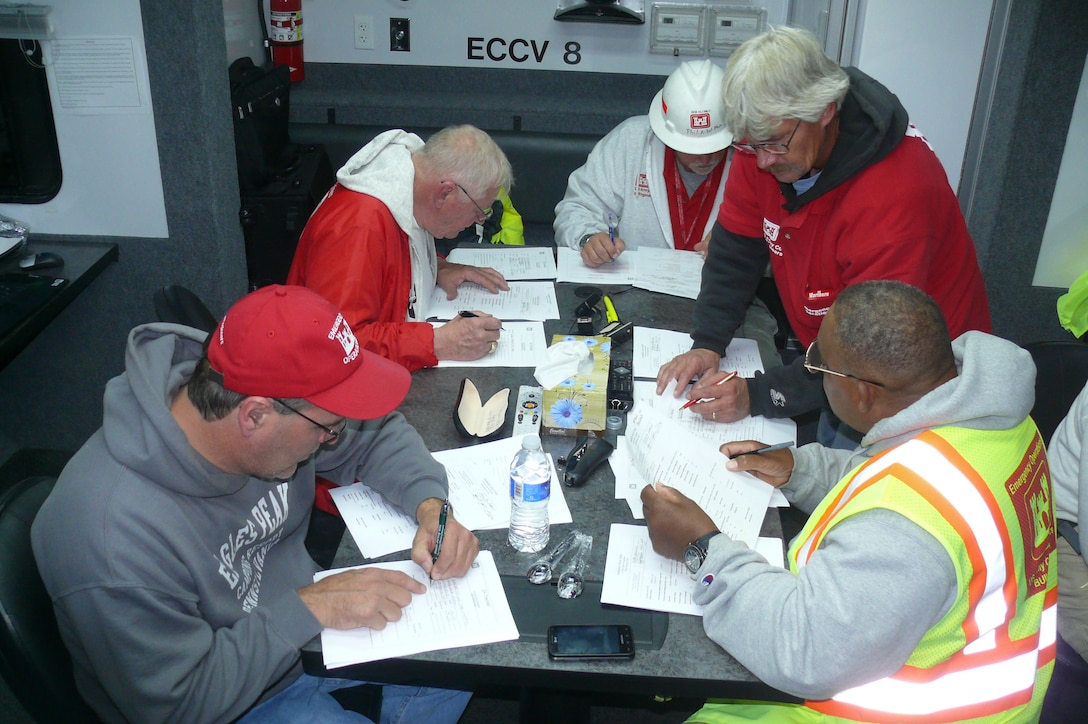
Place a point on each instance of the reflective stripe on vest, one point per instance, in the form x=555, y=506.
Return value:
x=993, y=672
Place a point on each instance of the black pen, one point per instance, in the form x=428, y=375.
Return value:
x=769, y=448
x=441, y=530
x=473, y=315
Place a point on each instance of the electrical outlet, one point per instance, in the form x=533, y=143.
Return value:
x=364, y=32
x=400, y=37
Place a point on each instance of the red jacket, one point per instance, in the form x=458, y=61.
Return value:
x=353, y=253
x=871, y=226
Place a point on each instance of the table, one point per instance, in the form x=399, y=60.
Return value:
x=687, y=665
x=83, y=262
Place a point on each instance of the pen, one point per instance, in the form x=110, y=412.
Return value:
x=723, y=380
x=441, y=529
x=612, y=232
x=769, y=448
x=473, y=315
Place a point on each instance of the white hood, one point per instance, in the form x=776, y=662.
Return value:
x=383, y=169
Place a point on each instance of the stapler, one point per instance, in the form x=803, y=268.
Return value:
x=584, y=459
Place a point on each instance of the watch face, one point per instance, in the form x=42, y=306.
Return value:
x=693, y=558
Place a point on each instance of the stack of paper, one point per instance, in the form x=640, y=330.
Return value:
x=479, y=478
x=514, y=263
x=453, y=612
x=668, y=271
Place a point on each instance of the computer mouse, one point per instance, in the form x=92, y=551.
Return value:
x=41, y=260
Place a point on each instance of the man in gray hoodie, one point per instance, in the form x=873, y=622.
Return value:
x=923, y=584
x=173, y=543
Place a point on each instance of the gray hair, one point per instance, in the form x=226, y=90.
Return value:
x=893, y=332
x=214, y=402
x=782, y=73
x=469, y=156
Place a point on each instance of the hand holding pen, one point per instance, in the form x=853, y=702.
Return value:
x=446, y=549
x=603, y=246
x=698, y=400
x=770, y=463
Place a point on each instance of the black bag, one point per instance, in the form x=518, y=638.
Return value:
x=261, y=105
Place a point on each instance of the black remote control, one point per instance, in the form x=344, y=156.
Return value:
x=621, y=385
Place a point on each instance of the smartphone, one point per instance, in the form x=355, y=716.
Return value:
x=613, y=641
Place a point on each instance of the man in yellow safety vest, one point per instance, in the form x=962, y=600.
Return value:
x=923, y=586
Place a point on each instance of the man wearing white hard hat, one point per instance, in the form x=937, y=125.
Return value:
x=658, y=180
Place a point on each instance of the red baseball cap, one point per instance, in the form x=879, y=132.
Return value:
x=288, y=341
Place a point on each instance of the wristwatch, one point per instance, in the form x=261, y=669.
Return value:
x=695, y=553
x=583, y=241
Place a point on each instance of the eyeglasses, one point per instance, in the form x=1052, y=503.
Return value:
x=775, y=149
x=332, y=433
x=814, y=363
x=486, y=213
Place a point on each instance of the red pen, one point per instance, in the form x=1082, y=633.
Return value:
x=723, y=380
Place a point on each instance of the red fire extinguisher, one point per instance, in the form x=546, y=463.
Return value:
x=286, y=36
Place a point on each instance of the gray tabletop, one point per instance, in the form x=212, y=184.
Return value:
x=687, y=664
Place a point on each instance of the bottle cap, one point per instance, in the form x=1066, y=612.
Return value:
x=613, y=422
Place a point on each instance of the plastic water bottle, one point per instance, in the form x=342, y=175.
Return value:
x=530, y=488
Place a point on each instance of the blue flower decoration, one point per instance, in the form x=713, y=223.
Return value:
x=569, y=382
x=566, y=413
x=606, y=348
x=590, y=342
x=588, y=386
x=570, y=338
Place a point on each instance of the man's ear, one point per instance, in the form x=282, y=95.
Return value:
x=828, y=114
x=253, y=414
x=866, y=394
x=443, y=193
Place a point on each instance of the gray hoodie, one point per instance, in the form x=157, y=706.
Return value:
x=881, y=581
x=175, y=583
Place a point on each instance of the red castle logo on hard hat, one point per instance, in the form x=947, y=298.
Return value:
x=700, y=121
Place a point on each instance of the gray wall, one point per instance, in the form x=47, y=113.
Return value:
x=51, y=395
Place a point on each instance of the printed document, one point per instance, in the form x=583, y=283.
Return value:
x=663, y=452
x=655, y=347
x=521, y=344
x=514, y=263
x=571, y=268
x=454, y=612
x=679, y=273
x=636, y=576
x=479, y=479
x=525, y=300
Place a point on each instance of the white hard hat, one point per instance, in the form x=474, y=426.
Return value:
x=687, y=113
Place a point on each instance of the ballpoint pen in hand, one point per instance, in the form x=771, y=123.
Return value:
x=612, y=233
x=722, y=381
x=760, y=451
x=441, y=530
x=472, y=315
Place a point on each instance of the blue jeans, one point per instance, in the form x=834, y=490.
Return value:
x=309, y=699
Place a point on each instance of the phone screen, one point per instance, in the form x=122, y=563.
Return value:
x=587, y=642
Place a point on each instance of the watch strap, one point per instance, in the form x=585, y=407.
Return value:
x=583, y=241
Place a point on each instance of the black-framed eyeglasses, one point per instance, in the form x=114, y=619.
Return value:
x=815, y=363
x=486, y=213
x=775, y=149
x=332, y=433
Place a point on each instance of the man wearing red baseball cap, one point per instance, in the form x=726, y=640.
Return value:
x=173, y=543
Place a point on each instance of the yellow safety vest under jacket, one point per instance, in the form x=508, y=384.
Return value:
x=986, y=496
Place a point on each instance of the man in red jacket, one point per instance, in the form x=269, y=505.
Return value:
x=833, y=186
x=369, y=246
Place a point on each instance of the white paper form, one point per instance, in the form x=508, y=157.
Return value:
x=453, y=612
x=479, y=480
x=654, y=347
x=669, y=271
x=663, y=452
x=571, y=268
x=525, y=300
x=529, y=262
x=759, y=428
x=480, y=484
x=521, y=344
x=636, y=576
